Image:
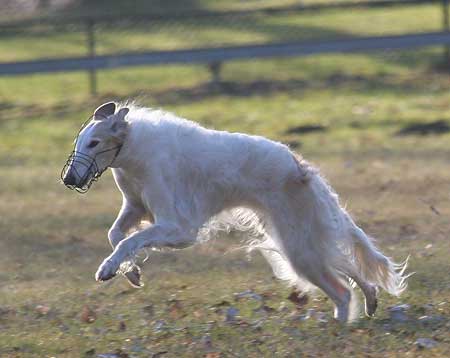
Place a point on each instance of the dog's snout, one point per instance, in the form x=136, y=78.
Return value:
x=70, y=179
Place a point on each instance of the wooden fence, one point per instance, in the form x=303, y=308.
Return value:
x=214, y=56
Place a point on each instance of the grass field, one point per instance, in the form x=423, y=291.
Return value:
x=211, y=301
x=204, y=32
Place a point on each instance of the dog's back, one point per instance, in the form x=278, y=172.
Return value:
x=309, y=238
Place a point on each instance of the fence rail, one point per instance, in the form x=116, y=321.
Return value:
x=221, y=54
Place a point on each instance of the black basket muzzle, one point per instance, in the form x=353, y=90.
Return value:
x=81, y=170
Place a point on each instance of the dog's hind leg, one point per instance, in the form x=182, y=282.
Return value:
x=333, y=286
x=339, y=293
x=309, y=265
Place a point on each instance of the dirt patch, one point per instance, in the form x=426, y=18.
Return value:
x=436, y=127
x=307, y=128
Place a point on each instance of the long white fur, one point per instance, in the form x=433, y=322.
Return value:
x=192, y=181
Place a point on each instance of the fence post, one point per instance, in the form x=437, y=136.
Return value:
x=90, y=37
x=446, y=25
x=214, y=68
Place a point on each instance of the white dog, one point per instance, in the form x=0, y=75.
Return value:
x=180, y=176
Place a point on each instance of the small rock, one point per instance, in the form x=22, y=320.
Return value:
x=117, y=354
x=258, y=326
x=398, y=313
x=231, y=314
x=310, y=313
x=301, y=317
x=317, y=315
x=431, y=320
x=42, y=310
x=264, y=309
x=90, y=352
x=149, y=310
x=136, y=348
x=283, y=307
x=64, y=328
x=206, y=341
x=427, y=308
x=427, y=343
x=4, y=310
x=247, y=294
x=160, y=325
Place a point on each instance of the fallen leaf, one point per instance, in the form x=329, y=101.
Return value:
x=122, y=326
x=213, y=355
x=88, y=315
x=298, y=299
x=176, y=309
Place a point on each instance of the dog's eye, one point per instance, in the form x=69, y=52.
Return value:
x=93, y=143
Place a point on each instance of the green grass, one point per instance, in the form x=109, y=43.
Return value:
x=43, y=42
x=396, y=187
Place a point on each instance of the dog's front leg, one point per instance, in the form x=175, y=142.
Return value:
x=156, y=236
x=130, y=216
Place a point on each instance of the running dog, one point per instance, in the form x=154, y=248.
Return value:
x=181, y=178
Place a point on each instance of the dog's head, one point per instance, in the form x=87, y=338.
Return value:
x=96, y=147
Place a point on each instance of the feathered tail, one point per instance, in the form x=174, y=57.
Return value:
x=376, y=268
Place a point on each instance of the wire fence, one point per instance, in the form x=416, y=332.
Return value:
x=48, y=44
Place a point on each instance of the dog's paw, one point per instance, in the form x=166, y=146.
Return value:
x=372, y=302
x=134, y=277
x=106, y=271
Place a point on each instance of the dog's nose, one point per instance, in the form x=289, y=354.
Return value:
x=69, y=179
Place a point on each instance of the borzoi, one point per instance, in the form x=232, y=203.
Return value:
x=181, y=178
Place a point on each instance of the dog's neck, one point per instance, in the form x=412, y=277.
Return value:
x=123, y=157
x=129, y=158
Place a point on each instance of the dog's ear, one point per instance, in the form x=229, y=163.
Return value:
x=122, y=113
x=104, y=111
x=119, y=125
